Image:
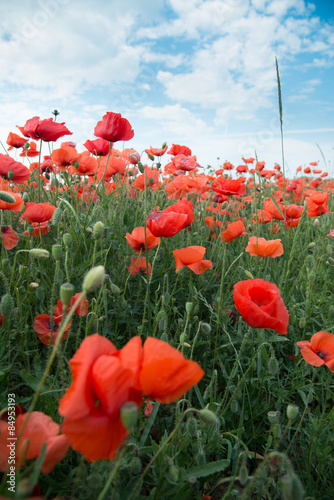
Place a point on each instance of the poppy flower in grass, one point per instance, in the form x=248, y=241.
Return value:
x=331, y=233
x=63, y=157
x=317, y=204
x=260, y=304
x=42, y=326
x=165, y=224
x=39, y=229
x=47, y=130
x=15, y=141
x=99, y=147
x=138, y=265
x=81, y=310
x=136, y=239
x=233, y=231
x=104, y=379
x=229, y=187
x=192, y=257
x=9, y=237
x=319, y=351
x=38, y=212
x=264, y=248
x=114, y=128
x=39, y=429
x=182, y=207
x=20, y=173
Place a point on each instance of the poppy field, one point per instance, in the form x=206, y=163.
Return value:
x=166, y=329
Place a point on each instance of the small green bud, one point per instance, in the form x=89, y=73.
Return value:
x=22, y=269
x=200, y=458
x=329, y=249
x=56, y=217
x=249, y=275
x=25, y=487
x=330, y=261
x=93, y=279
x=162, y=324
x=76, y=164
x=277, y=430
x=243, y=475
x=47, y=176
x=302, y=323
x=183, y=337
x=135, y=466
x=57, y=251
x=292, y=412
x=208, y=417
x=273, y=417
x=114, y=289
x=129, y=415
x=10, y=175
x=272, y=365
x=98, y=230
x=189, y=307
x=67, y=238
x=151, y=157
x=6, y=197
x=30, y=230
x=150, y=181
x=234, y=405
x=7, y=305
x=316, y=223
x=206, y=328
x=140, y=167
x=39, y=253
x=33, y=285
x=4, y=263
x=66, y=293
x=25, y=197
x=164, y=145
x=311, y=245
x=192, y=426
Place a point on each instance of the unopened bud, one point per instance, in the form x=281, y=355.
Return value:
x=272, y=365
x=292, y=412
x=330, y=261
x=57, y=251
x=22, y=269
x=33, y=285
x=7, y=305
x=243, y=475
x=249, y=275
x=67, y=238
x=316, y=223
x=6, y=197
x=302, y=323
x=25, y=197
x=56, y=217
x=151, y=157
x=164, y=145
x=66, y=293
x=93, y=279
x=234, y=405
x=311, y=245
x=39, y=253
x=189, y=307
x=129, y=415
x=140, y=167
x=10, y=175
x=208, y=417
x=114, y=289
x=206, y=328
x=329, y=249
x=98, y=230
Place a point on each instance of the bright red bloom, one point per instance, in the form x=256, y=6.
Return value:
x=156, y=151
x=307, y=170
x=192, y=257
x=7, y=164
x=81, y=310
x=264, y=248
x=42, y=327
x=241, y=169
x=47, y=130
x=152, y=180
x=136, y=239
x=233, y=231
x=260, y=304
x=99, y=147
x=38, y=212
x=317, y=204
x=9, y=237
x=166, y=224
x=114, y=128
x=138, y=265
x=183, y=163
x=104, y=379
x=320, y=350
x=15, y=141
x=88, y=165
x=40, y=429
x=31, y=152
x=182, y=207
x=176, y=149
x=64, y=157
x=229, y=187
x=331, y=233
x=40, y=229
x=313, y=163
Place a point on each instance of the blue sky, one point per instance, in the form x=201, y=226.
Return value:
x=194, y=72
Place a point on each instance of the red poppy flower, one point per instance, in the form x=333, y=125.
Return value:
x=31, y=152
x=64, y=157
x=331, y=233
x=264, y=248
x=114, y=128
x=136, y=239
x=165, y=224
x=156, y=151
x=40, y=429
x=182, y=207
x=138, y=265
x=47, y=130
x=42, y=327
x=176, y=149
x=81, y=310
x=9, y=237
x=152, y=180
x=233, y=231
x=229, y=187
x=99, y=147
x=313, y=163
x=88, y=165
x=248, y=160
x=192, y=257
x=183, y=163
x=15, y=141
x=320, y=350
x=317, y=204
x=38, y=212
x=241, y=169
x=307, y=170
x=104, y=379
x=20, y=172
x=260, y=304
x=40, y=229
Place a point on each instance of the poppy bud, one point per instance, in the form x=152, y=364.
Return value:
x=249, y=275
x=6, y=197
x=292, y=412
x=67, y=238
x=25, y=487
x=47, y=176
x=164, y=145
x=39, y=253
x=114, y=289
x=208, y=417
x=151, y=157
x=200, y=458
x=150, y=181
x=162, y=324
x=140, y=167
x=192, y=426
x=5, y=263
x=25, y=197
x=189, y=307
x=234, y=406
x=135, y=466
x=330, y=261
x=206, y=328
x=311, y=245
x=273, y=417
x=302, y=323
x=33, y=285
x=316, y=223
x=173, y=473
x=243, y=475
x=292, y=488
x=40, y=294
x=277, y=430
x=56, y=217
x=76, y=164
x=183, y=336
x=30, y=230
x=66, y=293
x=272, y=365
x=22, y=269
x=7, y=305
x=329, y=249
x=93, y=278
x=129, y=414
x=89, y=230
x=10, y=175
x=98, y=230
x=57, y=251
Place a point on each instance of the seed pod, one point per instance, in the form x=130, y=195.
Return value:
x=67, y=238
x=57, y=251
x=292, y=412
x=66, y=293
x=273, y=417
x=206, y=328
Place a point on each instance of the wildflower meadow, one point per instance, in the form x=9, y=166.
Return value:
x=166, y=328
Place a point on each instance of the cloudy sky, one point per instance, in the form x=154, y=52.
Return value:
x=194, y=72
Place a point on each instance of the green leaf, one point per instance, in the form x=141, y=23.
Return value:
x=30, y=380
x=205, y=470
